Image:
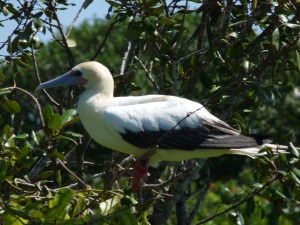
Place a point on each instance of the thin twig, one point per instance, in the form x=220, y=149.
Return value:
x=177, y=42
x=199, y=201
x=152, y=150
x=148, y=73
x=75, y=18
x=167, y=182
x=73, y=174
x=198, y=52
x=64, y=39
x=37, y=75
x=124, y=59
x=111, y=26
x=33, y=98
x=255, y=192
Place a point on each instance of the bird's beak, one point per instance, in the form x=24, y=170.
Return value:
x=70, y=78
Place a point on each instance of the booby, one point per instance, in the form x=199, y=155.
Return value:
x=181, y=129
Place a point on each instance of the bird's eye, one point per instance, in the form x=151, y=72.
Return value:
x=77, y=73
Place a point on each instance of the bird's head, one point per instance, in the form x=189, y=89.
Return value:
x=92, y=75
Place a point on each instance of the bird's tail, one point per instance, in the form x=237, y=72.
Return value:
x=254, y=152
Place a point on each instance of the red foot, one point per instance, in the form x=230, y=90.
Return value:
x=139, y=172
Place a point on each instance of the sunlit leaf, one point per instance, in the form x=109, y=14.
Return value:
x=71, y=43
x=236, y=218
x=166, y=21
x=60, y=205
x=4, y=91
x=67, y=116
x=226, y=196
x=275, y=38
x=109, y=205
x=4, y=11
x=292, y=25
x=13, y=219
x=21, y=136
x=293, y=150
x=295, y=178
x=55, y=122
x=73, y=134
x=38, y=24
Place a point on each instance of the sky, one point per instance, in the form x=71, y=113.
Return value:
x=97, y=9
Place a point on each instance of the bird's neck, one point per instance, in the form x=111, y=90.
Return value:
x=95, y=95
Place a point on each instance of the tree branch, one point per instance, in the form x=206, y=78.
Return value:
x=255, y=192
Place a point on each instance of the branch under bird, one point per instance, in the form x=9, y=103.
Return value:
x=181, y=129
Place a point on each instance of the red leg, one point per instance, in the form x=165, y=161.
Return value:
x=139, y=172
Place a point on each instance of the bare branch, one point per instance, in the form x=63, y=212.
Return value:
x=124, y=59
x=33, y=98
x=110, y=28
x=37, y=75
x=255, y=192
x=73, y=174
x=148, y=73
x=75, y=18
x=63, y=36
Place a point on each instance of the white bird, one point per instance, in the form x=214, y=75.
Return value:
x=134, y=124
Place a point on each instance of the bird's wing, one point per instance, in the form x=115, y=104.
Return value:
x=171, y=123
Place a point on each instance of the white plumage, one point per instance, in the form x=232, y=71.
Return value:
x=134, y=124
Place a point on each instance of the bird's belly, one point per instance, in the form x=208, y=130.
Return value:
x=104, y=136
x=179, y=155
x=110, y=140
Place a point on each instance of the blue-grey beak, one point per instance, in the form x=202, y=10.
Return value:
x=73, y=77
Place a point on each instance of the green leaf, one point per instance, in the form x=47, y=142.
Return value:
x=57, y=154
x=73, y=134
x=166, y=21
x=55, y=122
x=12, y=219
x=226, y=196
x=10, y=106
x=21, y=136
x=87, y=3
x=1, y=77
x=60, y=205
x=293, y=150
x=8, y=131
x=3, y=169
x=4, y=91
x=110, y=205
x=128, y=218
x=38, y=24
x=298, y=59
x=296, y=171
x=275, y=38
x=48, y=112
x=250, y=207
x=5, y=11
x=67, y=116
x=71, y=43
x=236, y=218
x=295, y=178
x=257, y=186
x=34, y=137
x=292, y=25
x=20, y=63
